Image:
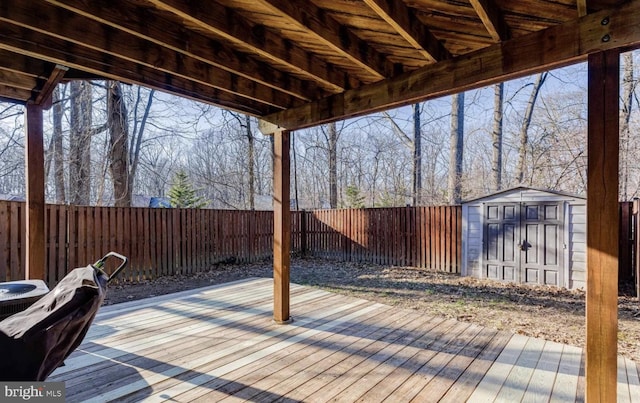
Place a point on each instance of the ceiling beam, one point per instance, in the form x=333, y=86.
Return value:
x=554, y=47
x=104, y=39
x=306, y=16
x=162, y=32
x=228, y=24
x=43, y=94
x=17, y=80
x=24, y=65
x=405, y=22
x=492, y=19
x=14, y=94
x=54, y=50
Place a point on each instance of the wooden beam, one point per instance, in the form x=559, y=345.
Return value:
x=165, y=33
x=26, y=42
x=306, y=16
x=405, y=22
x=17, y=80
x=554, y=47
x=602, y=226
x=14, y=93
x=582, y=8
x=34, y=173
x=108, y=41
x=492, y=19
x=282, y=227
x=43, y=96
x=228, y=24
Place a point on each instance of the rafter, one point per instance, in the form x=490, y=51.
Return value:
x=492, y=19
x=44, y=91
x=404, y=22
x=14, y=94
x=164, y=33
x=17, y=80
x=102, y=38
x=228, y=24
x=26, y=42
x=305, y=15
x=554, y=47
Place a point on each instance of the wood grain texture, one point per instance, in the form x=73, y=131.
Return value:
x=602, y=226
x=220, y=344
x=35, y=210
x=554, y=47
x=281, y=227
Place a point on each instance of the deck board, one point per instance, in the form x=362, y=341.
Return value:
x=221, y=344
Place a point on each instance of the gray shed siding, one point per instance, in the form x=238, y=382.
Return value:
x=574, y=237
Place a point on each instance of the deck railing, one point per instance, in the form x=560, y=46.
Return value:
x=170, y=241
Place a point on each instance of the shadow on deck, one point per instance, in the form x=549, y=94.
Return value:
x=219, y=343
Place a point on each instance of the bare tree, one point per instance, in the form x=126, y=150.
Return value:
x=55, y=153
x=138, y=133
x=332, y=151
x=117, y=121
x=524, y=127
x=457, y=147
x=496, y=135
x=628, y=88
x=417, y=155
x=80, y=143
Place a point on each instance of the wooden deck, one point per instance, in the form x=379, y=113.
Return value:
x=220, y=344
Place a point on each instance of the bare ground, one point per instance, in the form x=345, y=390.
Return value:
x=547, y=312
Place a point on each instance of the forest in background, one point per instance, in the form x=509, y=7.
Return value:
x=108, y=143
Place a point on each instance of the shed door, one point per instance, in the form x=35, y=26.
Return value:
x=523, y=242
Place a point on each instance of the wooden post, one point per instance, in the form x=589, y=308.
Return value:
x=34, y=172
x=282, y=227
x=602, y=227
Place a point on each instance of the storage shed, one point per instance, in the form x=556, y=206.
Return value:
x=526, y=235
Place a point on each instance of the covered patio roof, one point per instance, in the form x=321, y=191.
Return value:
x=297, y=64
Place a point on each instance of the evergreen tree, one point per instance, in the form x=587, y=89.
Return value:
x=354, y=198
x=182, y=194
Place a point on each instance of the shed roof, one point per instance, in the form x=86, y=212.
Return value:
x=521, y=188
x=300, y=63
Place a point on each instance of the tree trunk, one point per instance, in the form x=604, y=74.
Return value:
x=625, y=132
x=80, y=143
x=118, y=141
x=333, y=165
x=136, y=139
x=251, y=164
x=417, y=156
x=457, y=146
x=496, y=166
x=524, y=128
x=58, y=152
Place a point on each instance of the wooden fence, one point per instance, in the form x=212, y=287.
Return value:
x=425, y=237
x=629, y=245
x=169, y=241
x=157, y=241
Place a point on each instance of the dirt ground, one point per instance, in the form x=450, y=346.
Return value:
x=538, y=311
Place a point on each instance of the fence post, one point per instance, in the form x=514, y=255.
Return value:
x=636, y=249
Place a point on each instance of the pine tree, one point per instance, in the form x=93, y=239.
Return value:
x=354, y=198
x=182, y=194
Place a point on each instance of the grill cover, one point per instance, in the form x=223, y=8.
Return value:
x=36, y=341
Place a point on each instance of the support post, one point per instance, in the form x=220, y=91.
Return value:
x=602, y=226
x=282, y=227
x=34, y=172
